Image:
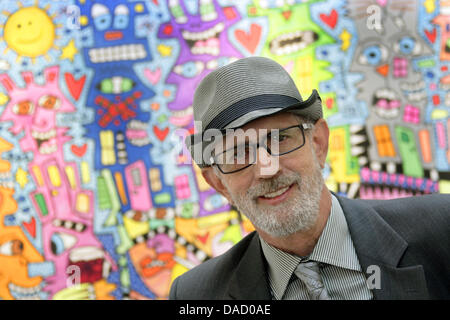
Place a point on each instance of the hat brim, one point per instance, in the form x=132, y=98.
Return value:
x=307, y=108
x=233, y=118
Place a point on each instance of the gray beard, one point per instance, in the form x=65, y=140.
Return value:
x=298, y=213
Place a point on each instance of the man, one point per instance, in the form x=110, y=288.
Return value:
x=309, y=243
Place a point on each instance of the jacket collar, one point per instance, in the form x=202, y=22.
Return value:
x=250, y=281
x=377, y=245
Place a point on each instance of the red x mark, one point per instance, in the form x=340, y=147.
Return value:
x=117, y=109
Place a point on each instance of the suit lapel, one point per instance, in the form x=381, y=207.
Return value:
x=249, y=281
x=380, y=248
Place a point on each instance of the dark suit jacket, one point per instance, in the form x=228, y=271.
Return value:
x=408, y=239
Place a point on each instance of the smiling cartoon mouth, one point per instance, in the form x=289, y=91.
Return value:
x=46, y=141
x=204, y=42
x=25, y=293
x=137, y=133
x=386, y=103
x=118, y=53
x=414, y=91
x=181, y=118
x=292, y=42
x=31, y=40
x=152, y=266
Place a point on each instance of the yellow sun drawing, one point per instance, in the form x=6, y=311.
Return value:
x=30, y=32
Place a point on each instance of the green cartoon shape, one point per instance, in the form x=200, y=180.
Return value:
x=412, y=166
x=292, y=41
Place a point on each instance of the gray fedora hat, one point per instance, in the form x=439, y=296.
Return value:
x=242, y=91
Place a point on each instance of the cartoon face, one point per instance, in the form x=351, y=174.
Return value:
x=116, y=89
x=30, y=32
x=154, y=261
x=17, y=254
x=293, y=44
x=387, y=56
x=33, y=110
x=204, y=47
x=113, y=24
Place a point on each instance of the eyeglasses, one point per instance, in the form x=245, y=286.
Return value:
x=276, y=143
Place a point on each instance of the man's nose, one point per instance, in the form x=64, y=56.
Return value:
x=266, y=165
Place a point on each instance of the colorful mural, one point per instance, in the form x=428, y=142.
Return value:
x=99, y=198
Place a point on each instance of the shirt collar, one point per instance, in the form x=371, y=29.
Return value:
x=334, y=247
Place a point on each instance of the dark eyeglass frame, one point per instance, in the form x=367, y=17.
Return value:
x=302, y=126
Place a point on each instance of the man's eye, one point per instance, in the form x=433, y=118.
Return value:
x=280, y=137
x=240, y=152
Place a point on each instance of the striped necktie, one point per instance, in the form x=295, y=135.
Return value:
x=308, y=272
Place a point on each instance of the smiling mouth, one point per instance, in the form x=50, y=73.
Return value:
x=25, y=293
x=45, y=141
x=204, y=42
x=276, y=193
x=28, y=41
x=386, y=103
x=118, y=53
x=152, y=266
x=181, y=118
x=292, y=42
x=414, y=91
x=137, y=133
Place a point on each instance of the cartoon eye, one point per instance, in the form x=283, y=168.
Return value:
x=101, y=16
x=207, y=10
x=49, y=102
x=373, y=55
x=214, y=202
x=23, y=108
x=189, y=69
x=177, y=11
x=60, y=242
x=122, y=15
x=11, y=248
x=407, y=45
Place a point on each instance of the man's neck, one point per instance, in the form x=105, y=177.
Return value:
x=302, y=243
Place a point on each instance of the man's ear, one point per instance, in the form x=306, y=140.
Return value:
x=215, y=182
x=320, y=139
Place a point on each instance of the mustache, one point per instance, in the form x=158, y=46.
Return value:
x=273, y=185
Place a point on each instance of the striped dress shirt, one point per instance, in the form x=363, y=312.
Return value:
x=339, y=265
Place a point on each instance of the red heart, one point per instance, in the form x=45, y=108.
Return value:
x=330, y=19
x=168, y=29
x=30, y=227
x=431, y=35
x=75, y=86
x=79, y=151
x=249, y=40
x=203, y=238
x=329, y=103
x=160, y=134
